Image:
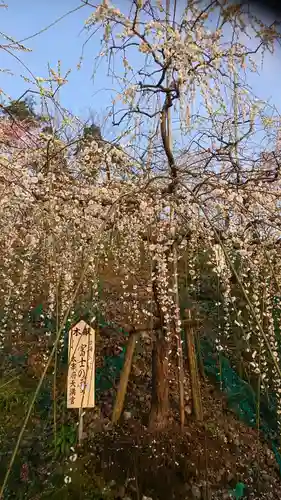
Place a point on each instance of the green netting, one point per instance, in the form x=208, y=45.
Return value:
x=241, y=397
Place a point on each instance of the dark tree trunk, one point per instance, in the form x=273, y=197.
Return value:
x=160, y=384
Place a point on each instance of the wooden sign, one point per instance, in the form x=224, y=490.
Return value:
x=81, y=367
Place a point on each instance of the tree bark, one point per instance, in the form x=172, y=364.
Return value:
x=160, y=384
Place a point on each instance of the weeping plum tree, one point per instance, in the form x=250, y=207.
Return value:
x=186, y=178
x=183, y=81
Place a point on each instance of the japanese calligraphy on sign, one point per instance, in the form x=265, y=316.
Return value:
x=81, y=367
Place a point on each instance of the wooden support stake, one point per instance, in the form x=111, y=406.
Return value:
x=193, y=368
x=124, y=378
x=181, y=380
x=80, y=426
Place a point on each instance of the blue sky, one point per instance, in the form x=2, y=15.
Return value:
x=64, y=41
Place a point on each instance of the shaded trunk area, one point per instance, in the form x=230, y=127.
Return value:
x=160, y=384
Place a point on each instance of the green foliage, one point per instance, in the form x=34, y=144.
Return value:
x=21, y=110
x=65, y=439
x=238, y=492
x=92, y=132
x=11, y=395
x=48, y=130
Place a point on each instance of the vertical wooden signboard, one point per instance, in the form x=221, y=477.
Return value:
x=81, y=369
